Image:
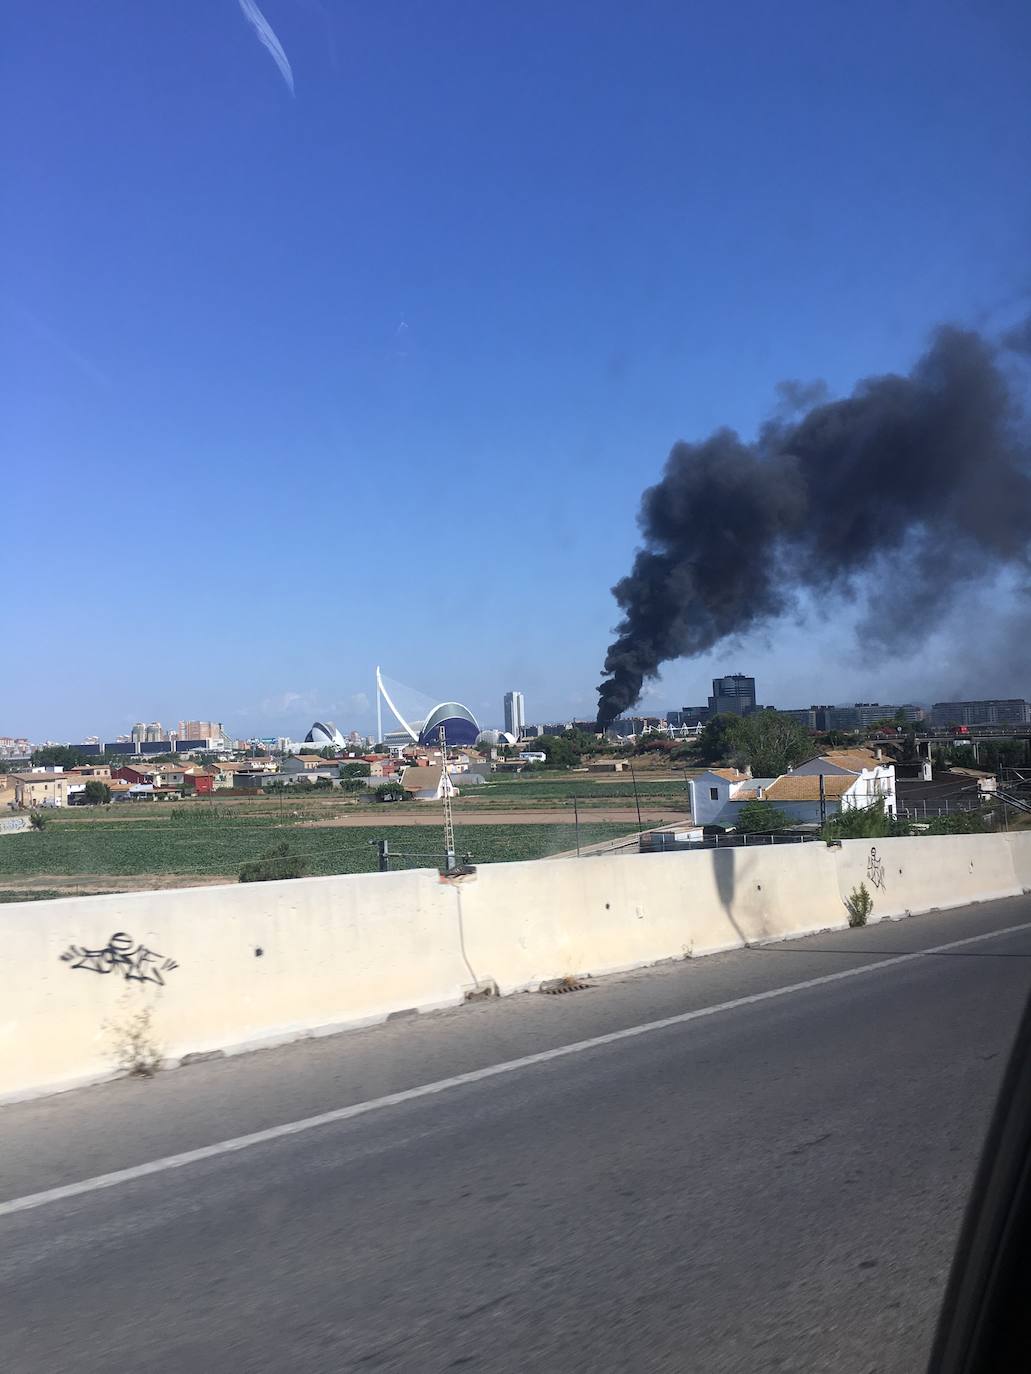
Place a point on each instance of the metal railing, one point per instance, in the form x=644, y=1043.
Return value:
x=663, y=841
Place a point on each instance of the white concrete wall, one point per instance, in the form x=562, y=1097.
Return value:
x=918, y=874
x=336, y=952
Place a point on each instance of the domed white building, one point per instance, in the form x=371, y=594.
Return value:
x=495, y=737
x=324, y=734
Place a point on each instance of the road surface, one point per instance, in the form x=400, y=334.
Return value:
x=772, y=1179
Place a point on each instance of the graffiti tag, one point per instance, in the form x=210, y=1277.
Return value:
x=875, y=868
x=136, y=963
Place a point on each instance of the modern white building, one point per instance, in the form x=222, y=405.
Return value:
x=515, y=713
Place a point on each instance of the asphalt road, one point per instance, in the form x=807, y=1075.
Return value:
x=773, y=1186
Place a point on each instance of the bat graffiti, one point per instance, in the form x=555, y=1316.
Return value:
x=137, y=965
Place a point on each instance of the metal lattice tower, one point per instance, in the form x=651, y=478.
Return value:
x=449, y=824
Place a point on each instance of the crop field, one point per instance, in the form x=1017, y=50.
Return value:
x=182, y=842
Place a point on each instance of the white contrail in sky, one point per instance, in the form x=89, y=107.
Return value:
x=266, y=36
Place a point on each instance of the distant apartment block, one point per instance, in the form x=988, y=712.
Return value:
x=996, y=711
x=515, y=713
x=200, y=729
x=860, y=716
x=144, y=733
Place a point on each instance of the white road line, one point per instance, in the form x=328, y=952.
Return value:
x=308, y=1123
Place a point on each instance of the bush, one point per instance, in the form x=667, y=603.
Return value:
x=760, y=818
x=276, y=863
x=391, y=792
x=357, y=769
x=37, y=820
x=97, y=793
x=859, y=905
x=960, y=823
x=864, y=823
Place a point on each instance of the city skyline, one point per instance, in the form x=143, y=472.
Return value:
x=815, y=700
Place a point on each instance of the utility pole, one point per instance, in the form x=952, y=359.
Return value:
x=445, y=787
x=823, y=803
x=637, y=799
x=384, y=856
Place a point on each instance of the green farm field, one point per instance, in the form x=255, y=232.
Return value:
x=170, y=849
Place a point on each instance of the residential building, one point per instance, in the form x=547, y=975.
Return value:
x=307, y=763
x=200, y=729
x=143, y=733
x=821, y=787
x=426, y=782
x=533, y=731
x=994, y=711
x=150, y=774
x=804, y=715
x=732, y=695
x=515, y=713
x=32, y=790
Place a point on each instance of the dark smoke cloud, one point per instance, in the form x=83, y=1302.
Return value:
x=891, y=498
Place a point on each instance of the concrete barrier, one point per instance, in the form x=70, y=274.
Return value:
x=905, y=876
x=214, y=968
x=90, y=984
x=1020, y=853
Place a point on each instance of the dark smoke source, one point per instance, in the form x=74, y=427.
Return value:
x=924, y=480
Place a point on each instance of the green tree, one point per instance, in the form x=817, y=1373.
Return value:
x=761, y=817
x=960, y=823
x=581, y=741
x=769, y=742
x=390, y=792
x=560, y=751
x=97, y=793
x=864, y=823
x=355, y=769
x=836, y=739
x=714, y=744
x=62, y=756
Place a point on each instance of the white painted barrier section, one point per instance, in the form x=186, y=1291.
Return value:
x=904, y=876
x=197, y=970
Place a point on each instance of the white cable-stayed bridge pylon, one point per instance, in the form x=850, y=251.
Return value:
x=409, y=707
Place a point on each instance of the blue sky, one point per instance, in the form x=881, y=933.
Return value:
x=485, y=259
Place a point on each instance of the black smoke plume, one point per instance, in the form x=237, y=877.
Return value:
x=893, y=498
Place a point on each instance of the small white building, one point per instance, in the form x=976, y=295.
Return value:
x=851, y=779
x=427, y=783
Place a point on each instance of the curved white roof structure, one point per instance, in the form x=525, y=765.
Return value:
x=459, y=723
x=325, y=734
